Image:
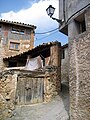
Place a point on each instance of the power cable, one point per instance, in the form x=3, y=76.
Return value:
x=58, y=27
x=66, y=22
x=48, y=31
x=77, y=12
x=46, y=36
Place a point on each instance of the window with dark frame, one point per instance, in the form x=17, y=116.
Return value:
x=14, y=46
x=14, y=30
x=18, y=31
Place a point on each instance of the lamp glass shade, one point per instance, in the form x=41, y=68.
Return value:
x=50, y=10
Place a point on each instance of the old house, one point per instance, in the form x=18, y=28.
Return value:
x=41, y=85
x=74, y=18
x=15, y=38
x=50, y=54
x=21, y=82
x=24, y=86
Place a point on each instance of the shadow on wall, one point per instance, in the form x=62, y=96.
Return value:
x=65, y=96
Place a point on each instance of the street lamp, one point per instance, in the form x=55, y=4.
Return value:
x=50, y=11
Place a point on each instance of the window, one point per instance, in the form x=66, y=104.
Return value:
x=21, y=32
x=80, y=24
x=18, y=31
x=14, y=30
x=14, y=46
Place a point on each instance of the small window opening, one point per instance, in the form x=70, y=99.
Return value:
x=80, y=24
x=14, y=30
x=17, y=31
x=21, y=32
x=14, y=46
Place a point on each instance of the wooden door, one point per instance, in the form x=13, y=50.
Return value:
x=30, y=90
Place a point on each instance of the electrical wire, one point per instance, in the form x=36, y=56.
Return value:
x=58, y=27
x=77, y=12
x=66, y=22
x=46, y=36
x=48, y=31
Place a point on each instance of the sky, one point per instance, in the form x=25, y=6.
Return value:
x=33, y=12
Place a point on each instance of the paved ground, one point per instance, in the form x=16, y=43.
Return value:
x=57, y=109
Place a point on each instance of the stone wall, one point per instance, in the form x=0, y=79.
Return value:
x=1, y=56
x=10, y=79
x=55, y=54
x=79, y=74
x=52, y=83
x=25, y=42
x=8, y=82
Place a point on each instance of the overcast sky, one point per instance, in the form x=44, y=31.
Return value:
x=34, y=12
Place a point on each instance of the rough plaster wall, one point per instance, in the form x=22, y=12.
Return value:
x=71, y=7
x=65, y=67
x=79, y=75
x=76, y=5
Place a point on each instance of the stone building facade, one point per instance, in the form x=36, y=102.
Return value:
x=15, y=38
x=79, y=73
x=75, y=17
x=19, y=86
x=22, y=87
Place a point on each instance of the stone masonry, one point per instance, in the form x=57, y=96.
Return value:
x=79, y=73
x=15, y=38
x=8, y=83
x=51, y=84
x=8, y=87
